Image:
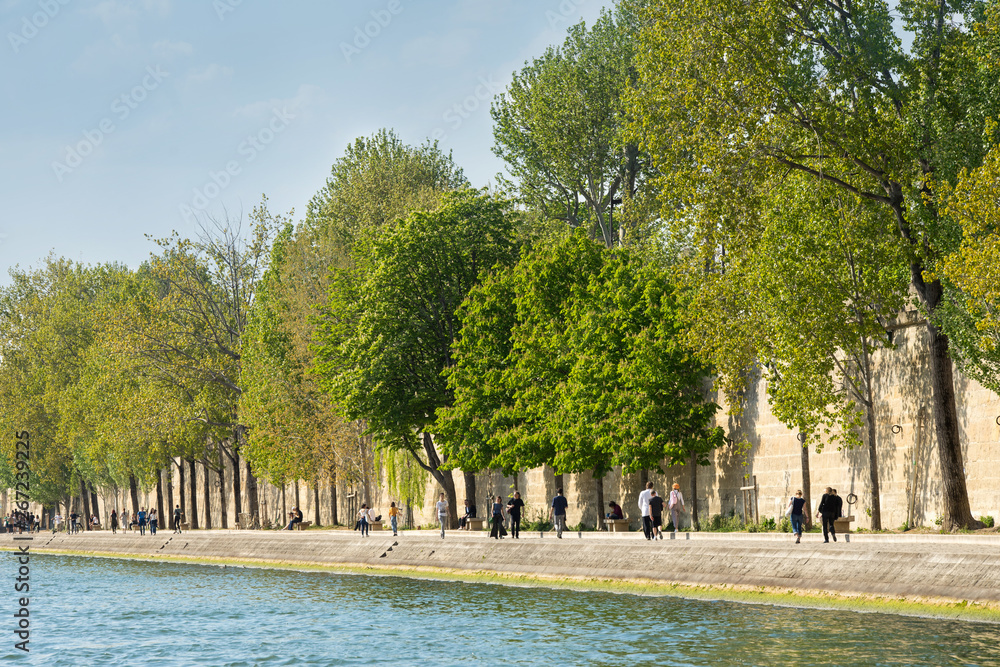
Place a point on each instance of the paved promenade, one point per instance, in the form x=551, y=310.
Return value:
x=915, y=567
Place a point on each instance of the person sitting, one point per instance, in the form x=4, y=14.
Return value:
x=470, y=513
x=296, y=515
x=616, y=511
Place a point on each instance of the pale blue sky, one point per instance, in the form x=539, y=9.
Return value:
x=121, y=116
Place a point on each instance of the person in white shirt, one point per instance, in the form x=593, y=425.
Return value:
x=647, y=522
x=676, y=505
x=442, y=509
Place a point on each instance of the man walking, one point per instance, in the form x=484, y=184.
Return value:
x=559, y=504
x=829, y=510
x=656, y=514
x=442, y=510
x=177, y=518
x=647, y=522
x=514, y=506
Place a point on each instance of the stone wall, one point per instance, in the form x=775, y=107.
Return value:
x=908, y=464
x=908, y=460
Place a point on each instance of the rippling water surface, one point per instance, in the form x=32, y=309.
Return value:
x=89, y=611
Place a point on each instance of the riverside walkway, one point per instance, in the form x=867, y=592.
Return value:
x=943, y=568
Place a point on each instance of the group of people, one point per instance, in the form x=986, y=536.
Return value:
x=500, y=515
x=831, y=508
x=141, y=520
x=651, y=507
x=367, y=517
x=19, y=522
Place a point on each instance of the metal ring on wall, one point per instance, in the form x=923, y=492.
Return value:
x=852, y=499
x=801, y=437
x=896, y=428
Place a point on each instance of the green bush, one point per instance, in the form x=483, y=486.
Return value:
x=987, y=521
x=785, y=525
x=724, y=524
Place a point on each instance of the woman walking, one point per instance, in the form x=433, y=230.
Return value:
x=114, y=522
x=497, y=530
x=676, y=505
x=796, y=505
x=154, y=519
x=363, y=519
x=394, y=518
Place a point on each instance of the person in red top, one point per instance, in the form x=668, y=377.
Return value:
x=616, y=511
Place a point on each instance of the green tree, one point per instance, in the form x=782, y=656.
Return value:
x=559, y=129
x=972, y=316
x=728, y=97
x=386, y=334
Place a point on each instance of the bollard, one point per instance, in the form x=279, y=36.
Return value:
x=579, y=534
x=540, y=534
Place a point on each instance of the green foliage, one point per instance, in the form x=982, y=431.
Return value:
x=559, y=128
x=387, y=332
x=987, y=521
x=573, y=359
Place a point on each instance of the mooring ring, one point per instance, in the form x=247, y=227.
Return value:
x=896, y=428
x=851, y=499
x=801, y=437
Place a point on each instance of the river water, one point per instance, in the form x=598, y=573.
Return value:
x=95, y=611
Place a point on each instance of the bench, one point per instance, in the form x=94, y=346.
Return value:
x=475, y=524
x=843, y=524
x=617, y=525
x=375, y=525
x=302, y=525
x=185, y=526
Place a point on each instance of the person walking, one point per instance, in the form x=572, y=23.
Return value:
x=442, y=512
x=497, y=530
x=559, y=504
x=154, y=519
x=177, y=519
x=114, y=521
x=656, y=514
x=647, y=521
x=394, y=518
x=676, y=505
x=363, y=519
x=514, y=506
x=795, y=506
x=142, y=520
x=74, y=523
x=829, y=510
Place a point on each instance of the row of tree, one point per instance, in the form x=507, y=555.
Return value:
x=694, y=191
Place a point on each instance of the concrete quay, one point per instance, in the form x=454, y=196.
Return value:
x=922, y=569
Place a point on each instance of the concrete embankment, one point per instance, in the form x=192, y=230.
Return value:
x=937, y=574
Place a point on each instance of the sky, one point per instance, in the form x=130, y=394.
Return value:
x=123, y=119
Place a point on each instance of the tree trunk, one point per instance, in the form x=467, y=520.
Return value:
x=957, y=512
x=252, y=498
x=159, y=497
x=207, y=494
x=470, y=489
x=316, y=504
x=873, y=468
x=133, y=491
x=86, y=504
x=806, y=496
x=694, y=493
x=599, y=487
x=93, y=503
x=193, y=486
x=223, y=510
x=180, y=490
x=443, y=478
x=169, y=519
x=284, y=505
x=298, y=499
x=333, y=495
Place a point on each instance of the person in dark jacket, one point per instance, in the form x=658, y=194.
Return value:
x=796, y=505
x=829, y=510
